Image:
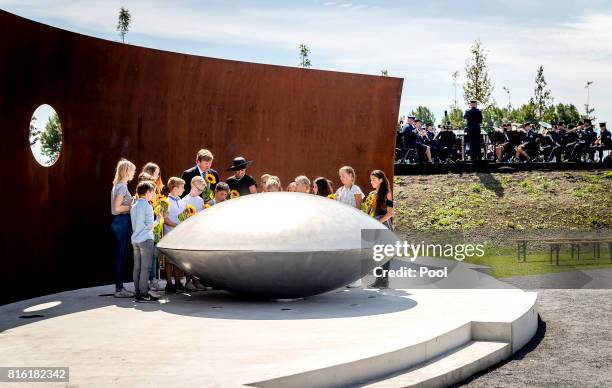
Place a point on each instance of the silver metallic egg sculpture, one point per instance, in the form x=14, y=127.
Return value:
x=276, y=245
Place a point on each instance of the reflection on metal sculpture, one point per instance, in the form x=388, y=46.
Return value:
x=274, y=245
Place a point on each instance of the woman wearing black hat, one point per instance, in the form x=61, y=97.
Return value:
x=240, y=183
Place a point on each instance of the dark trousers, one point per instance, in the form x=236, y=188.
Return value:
x=122, y=229
x=475, y=143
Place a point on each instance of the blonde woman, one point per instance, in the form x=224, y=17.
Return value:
x=302, y=184
x=121, y=203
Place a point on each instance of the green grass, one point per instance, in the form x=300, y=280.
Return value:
x=504, y=262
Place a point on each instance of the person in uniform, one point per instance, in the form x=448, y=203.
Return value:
x=431, y=141
x=603, y=142
x=557, y=142
x=473, y=117
x=529, y=144
x=413, y=139
x=502, y=143
x=586, y=138
x=447, y=144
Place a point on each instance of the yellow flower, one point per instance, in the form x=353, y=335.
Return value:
x=210, y=178
x=371, y=199
x=332, y=196
x=206, y=206
x=160, y=196
x=234, y=194
x=190, y=210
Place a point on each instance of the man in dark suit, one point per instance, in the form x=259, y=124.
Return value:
x=204, y=160
x=473, y=116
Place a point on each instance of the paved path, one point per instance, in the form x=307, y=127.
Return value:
x=573, y=346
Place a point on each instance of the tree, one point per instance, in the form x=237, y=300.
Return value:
x=384, y=73
x=524, y=113
x=455, y=77
x=51, y=139
x=123, y=25
x=34, y=133
x=478, y=85
x=456, y=118
x=424, y=113
x=541, y=95
x=493, y=117
x=304, y=56
x=567, y=113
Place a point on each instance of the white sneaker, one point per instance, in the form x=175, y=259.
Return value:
x=355, y=284
x=154, y=294
x=198, y=285
x=123, y=293
x=190, y=286
x=154, y=285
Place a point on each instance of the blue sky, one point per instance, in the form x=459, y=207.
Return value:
x=420, y=41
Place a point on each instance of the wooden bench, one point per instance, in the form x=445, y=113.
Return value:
x=575, y=243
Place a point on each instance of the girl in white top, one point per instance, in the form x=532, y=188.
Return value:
x=349, y=193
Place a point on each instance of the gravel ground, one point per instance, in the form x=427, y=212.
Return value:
x=572, y=348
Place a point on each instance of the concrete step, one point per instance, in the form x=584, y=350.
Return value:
x=449, y=368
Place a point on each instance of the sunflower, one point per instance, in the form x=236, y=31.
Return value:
x=371, y=199
x=190, y=210
x=160, y=196
x=210, y=178
x=234, y=194
x=332, y=196
x=206, y=206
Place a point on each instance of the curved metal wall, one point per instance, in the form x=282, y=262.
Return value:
x=117, y=100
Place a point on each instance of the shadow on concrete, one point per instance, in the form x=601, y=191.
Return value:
x=341, y=303
x=529, y=347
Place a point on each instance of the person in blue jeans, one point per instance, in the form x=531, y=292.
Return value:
x=121, y=203
x=143, y=222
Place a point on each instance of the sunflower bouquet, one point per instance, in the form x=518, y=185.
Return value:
x=208, y=194
x=160, y=207
x=234, y=194
x=369, y=205
x=189, y=211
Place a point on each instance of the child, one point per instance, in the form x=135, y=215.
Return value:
x=194, y=197
x=321, y=187
x=349, y=193
x=121, y=203
x=273, y=184
x=263, y=181
x=379, y=204
x=291, y=187
x=176, y=186
x=141, y=216
x=221, y=193
x=302, y=184
x=146, y=177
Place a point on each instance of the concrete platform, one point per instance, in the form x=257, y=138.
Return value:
x=216, y=339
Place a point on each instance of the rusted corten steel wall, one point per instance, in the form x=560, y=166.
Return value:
x=116, y=100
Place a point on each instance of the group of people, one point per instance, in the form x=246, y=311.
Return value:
x=135, y=219
x=418, y=143
x=574, y=143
